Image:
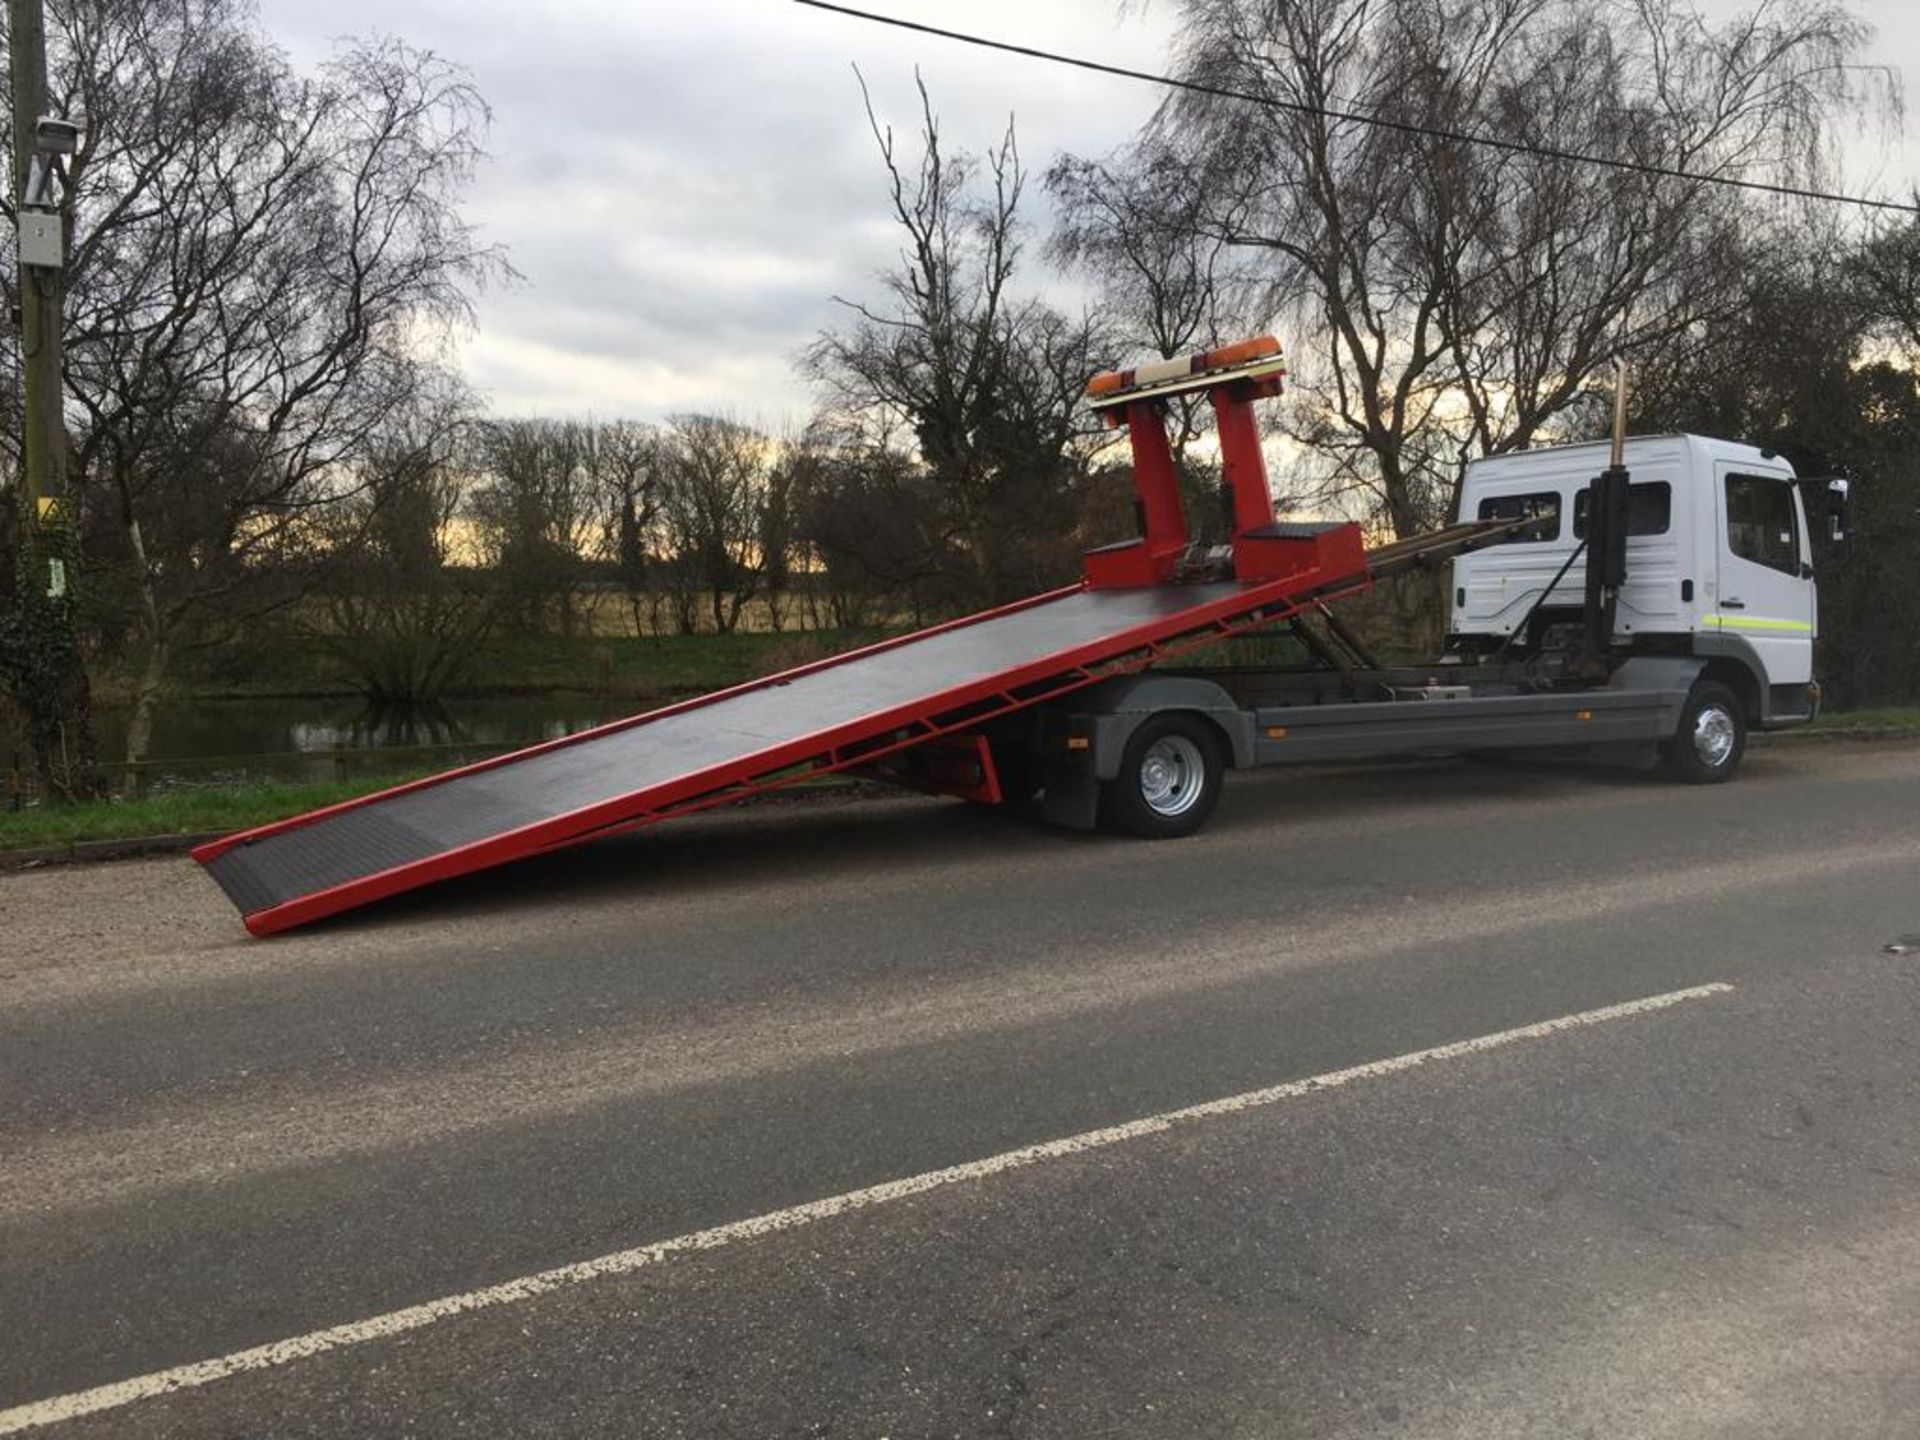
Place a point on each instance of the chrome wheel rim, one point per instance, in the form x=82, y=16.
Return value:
x=1172, y=774
x=1713, y=736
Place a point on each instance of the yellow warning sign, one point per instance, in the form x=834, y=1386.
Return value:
x=50, y=508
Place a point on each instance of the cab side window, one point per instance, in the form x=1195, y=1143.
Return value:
x=1761, y=524
x=1542, y=508
x=1649, y=509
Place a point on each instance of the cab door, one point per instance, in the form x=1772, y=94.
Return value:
x=1766, y=592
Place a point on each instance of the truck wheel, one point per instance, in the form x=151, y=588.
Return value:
x=1712, y=737
x=1169, y=779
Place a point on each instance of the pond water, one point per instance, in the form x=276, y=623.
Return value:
x=215, y=741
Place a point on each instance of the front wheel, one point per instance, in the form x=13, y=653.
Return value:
x=1711, y=738
x=1169, y=779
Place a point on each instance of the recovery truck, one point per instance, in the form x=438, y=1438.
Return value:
x=1690, y=623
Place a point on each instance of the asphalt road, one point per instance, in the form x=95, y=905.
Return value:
x=1698, y=1217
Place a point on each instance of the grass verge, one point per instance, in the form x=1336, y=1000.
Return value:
x=1891, y=720
x=213, y=811
x=180, y=812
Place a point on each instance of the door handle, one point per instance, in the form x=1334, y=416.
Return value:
x=1729, y=603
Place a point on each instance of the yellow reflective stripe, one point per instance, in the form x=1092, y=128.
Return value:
x=1756, y=622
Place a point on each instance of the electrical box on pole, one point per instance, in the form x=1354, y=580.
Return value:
x=41, y=241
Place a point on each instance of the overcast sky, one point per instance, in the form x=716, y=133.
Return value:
x=686, y=184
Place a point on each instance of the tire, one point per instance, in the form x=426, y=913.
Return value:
x=1169, y=779
x=1711, y=738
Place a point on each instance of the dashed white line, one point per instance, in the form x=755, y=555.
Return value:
x=622, y=1262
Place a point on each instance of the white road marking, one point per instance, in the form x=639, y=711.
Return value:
x=413, y=1317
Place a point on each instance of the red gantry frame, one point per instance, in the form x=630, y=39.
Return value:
x=938, y=687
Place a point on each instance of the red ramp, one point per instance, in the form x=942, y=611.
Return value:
x=842, y=712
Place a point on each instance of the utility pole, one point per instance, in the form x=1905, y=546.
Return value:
x=45, y=665
x=45, y=440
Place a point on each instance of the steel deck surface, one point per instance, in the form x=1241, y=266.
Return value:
x=835, y=714
x=706, y=738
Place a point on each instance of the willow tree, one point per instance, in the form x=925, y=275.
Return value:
x=1395, y=176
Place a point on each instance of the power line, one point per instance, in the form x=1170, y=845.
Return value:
x=1100, y=67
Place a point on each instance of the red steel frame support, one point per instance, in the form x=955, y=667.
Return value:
x=1151, y=558
x=1154, y=557
x=1156, y=479
x=1240, y=457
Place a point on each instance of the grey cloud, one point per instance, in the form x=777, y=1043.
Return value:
x=678, y=178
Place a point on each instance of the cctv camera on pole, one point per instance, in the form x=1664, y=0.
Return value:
x=42, y=243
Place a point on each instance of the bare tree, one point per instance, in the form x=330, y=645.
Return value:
x=627, y=463
x=1457, y=297
x=256, y=261
x=1134, y=224
x=949, y=360
x=402, y=616
x=1558, y=270
x=869, y=521
x=539, y=512
x=778, y=540
x=1888, y=266
x=712, y=517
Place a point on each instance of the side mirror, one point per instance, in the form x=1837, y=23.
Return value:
x=1837, y=492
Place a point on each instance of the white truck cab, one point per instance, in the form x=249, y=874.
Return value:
x=1719, y=563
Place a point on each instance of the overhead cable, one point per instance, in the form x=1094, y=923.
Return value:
x=1406, y=127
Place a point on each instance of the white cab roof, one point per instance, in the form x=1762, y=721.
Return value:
x=1592, y=453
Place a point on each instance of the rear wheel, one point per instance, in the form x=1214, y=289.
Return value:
x=1169, y=779
x=1711, y=738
